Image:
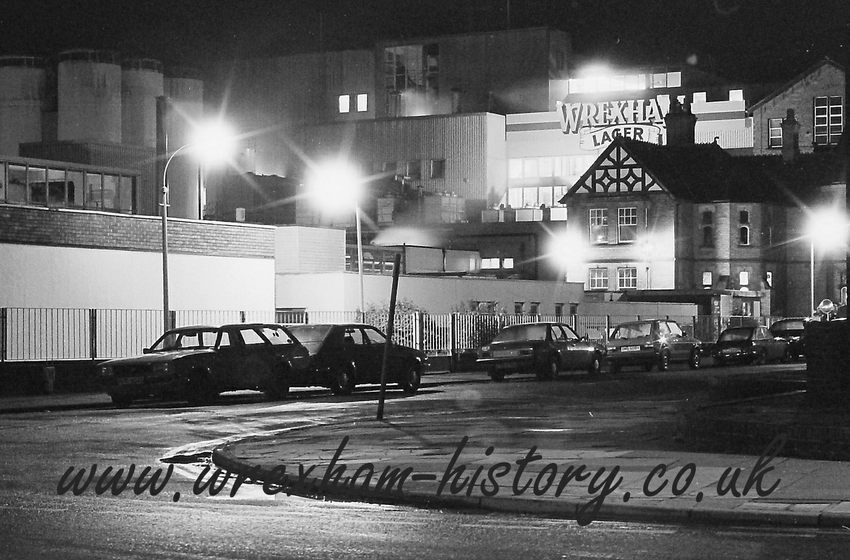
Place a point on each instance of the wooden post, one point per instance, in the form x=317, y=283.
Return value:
x=388, y=344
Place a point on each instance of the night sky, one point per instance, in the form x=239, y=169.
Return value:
x=742, y=40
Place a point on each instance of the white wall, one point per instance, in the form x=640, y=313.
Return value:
x=340, y=291
x=40, y=276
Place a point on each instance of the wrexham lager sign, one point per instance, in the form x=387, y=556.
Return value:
x=597, y=124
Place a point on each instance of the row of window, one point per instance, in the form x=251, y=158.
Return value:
x=566, y=167
x=626, y=278
x=496, y=263
x=828, y=115
x=22, y=183
x=520, y=308
x=412, y=170
x=625, y=82
x=707, y=222
x=627, y=223
x=361, y=103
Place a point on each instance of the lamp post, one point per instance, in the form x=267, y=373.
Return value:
x=336, y=185
x=827, y=228
x=211, y=141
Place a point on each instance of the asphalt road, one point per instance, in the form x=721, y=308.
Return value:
x=38, y=447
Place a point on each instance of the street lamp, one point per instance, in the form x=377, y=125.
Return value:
x=337, y=186
x=211, y=142
x=827, y=228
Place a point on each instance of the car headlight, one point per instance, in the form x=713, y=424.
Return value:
x=648, y=346
x=106, y=371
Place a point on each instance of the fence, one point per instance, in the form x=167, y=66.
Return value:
x=49, y=334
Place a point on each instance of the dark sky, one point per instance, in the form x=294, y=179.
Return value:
x=743, y=40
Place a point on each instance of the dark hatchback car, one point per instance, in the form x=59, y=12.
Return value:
x=541, y=348
x=792, y=330
x=344, y=356
x=750, y=345
x=656, y=342
x=197, y=363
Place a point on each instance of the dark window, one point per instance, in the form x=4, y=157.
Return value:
x=708, y=236
x=744, y=217
x=707, y=217
x=438, y=169
x=744, y=235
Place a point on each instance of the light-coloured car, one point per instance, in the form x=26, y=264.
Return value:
x=652, y=343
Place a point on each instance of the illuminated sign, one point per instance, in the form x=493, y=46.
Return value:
x=599, y=123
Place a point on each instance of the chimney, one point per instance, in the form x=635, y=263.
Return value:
x=790, y=137
x=680, y=124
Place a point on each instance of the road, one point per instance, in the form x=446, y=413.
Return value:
x=37, y=448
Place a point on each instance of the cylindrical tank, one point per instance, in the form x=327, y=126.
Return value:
x=22, y=93
x=185, y=109
x=141, y=83
x=89, y=96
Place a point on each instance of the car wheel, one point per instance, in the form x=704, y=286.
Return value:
x=695, y=359
x=278, y=389
x=760, y=358
x=121, y=401
x=595, y=367
x=786, y=356
x=410, y=380
x=664, y=361
x=719, y=361
x=200, y=389
x=549, y=370
x=343, y=382
x=497, y=375
x=648, y=367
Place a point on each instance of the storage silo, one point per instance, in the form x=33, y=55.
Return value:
x=89, y=96
x=142, y=82
x=184, y=91
x=22, y=93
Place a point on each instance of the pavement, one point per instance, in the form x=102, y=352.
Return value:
x=456, y=459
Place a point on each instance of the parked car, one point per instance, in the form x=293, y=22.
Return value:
x=792, y=330
x=197, y=363
x=656, y=342
x=542, y=348
x=344, y=356
x=750, y=345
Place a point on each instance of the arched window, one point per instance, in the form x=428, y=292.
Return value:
x=707, y=236
x=744, y=235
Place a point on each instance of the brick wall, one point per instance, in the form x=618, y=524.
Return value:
x=102, y=230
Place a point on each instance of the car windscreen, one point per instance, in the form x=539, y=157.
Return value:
x=181, y=339
x=311, y=336
x=788, y=326
x=632, y=330
x=735, y=335
x=522, y=332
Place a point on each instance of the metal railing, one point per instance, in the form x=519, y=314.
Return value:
x=50, y=334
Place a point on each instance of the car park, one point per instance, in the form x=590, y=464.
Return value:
x=347, y=355
x=197, y=363
x=652, y=343
x=544, y=348
x=791, y=329
x=749, y=344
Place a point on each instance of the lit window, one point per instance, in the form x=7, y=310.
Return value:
x=744, y=279
x=508, y=263
x=490, y=263
x=344, y=103
x=598, y=278
x=627, y=224
x=774, y=127
x=768, y=278
x=598, y=225
x=362, y=102
x=626, y=278
x=829, y=119
x=707, y=279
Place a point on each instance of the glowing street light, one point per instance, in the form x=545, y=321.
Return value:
x=210, y=143
x=827, y=228
x=337, y=186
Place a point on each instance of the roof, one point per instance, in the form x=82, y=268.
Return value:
x=708, y=173
x=799, y=77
